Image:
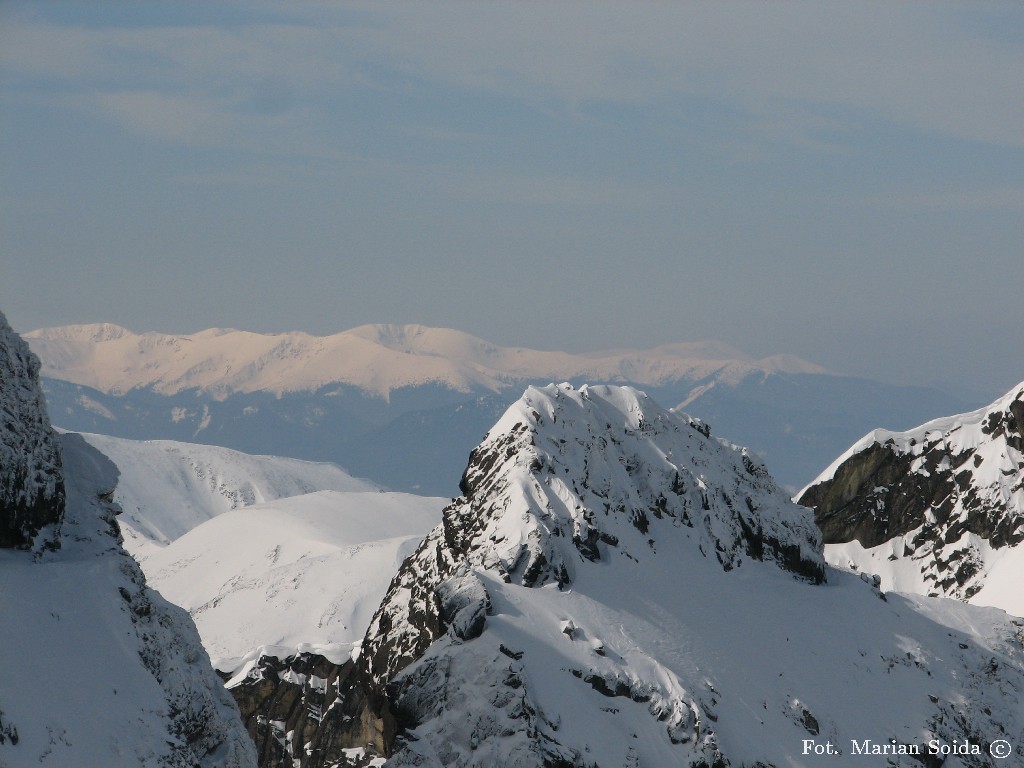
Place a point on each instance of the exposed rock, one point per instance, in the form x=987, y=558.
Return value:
x=31, y=483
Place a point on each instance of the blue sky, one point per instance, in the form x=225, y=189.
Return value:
x=842, y=181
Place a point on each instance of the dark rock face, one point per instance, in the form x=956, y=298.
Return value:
x=284, y=704
x=933, y=486
x=31, y=483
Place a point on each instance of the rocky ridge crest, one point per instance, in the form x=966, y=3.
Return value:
x=948, y=492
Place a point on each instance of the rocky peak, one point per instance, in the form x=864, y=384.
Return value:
x=569, y=478
x=950, y=491
x=569, y=475
x=31, y=482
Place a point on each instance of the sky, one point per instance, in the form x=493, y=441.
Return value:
x=841, y=181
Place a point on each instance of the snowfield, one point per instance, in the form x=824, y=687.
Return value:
x=299, y=574
x=167, y=488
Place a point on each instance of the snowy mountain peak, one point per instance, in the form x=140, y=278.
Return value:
x=569, y=484
x=616, y=587
x=604, y=472
x=937, y=509
x=88, y=332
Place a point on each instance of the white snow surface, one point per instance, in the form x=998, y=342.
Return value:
x=671, y=647
x=167, y=488
x=303, y=573
x=1000, y=570
x=95, y=668
x=374, y=358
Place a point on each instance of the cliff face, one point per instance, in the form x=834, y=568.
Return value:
x=947, y=496
x=31, y=483
x=95, y=668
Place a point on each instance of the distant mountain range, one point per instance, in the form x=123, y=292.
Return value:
x=403, y=405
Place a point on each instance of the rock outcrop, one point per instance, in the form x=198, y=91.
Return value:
x=31, y=483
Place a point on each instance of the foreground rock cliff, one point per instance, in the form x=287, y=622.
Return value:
x=95, y=668
x=616, y=587
x=31, y=482
x=938, y=509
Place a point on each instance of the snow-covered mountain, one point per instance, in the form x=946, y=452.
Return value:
x=405, y=404
x=298, y=574
x=617, y=587
x=938, y=509
x=96, y=669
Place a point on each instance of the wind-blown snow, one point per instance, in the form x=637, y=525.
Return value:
x=167, y=488
x=375, y=358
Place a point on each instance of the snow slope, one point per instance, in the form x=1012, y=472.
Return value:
x=375, y=358
x=938, y=509
x=616, y=587
x=167, y=488
x=297, y=574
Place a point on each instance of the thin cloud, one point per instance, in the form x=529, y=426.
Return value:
x=782, y=63
x=993, y=198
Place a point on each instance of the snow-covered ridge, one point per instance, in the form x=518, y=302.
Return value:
x=268, y=554
x=166, y=488
x=938, y=509
x=374, y=358
x=568, y=477
x=303, y=573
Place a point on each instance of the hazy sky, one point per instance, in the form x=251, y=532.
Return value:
x=843, y=181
